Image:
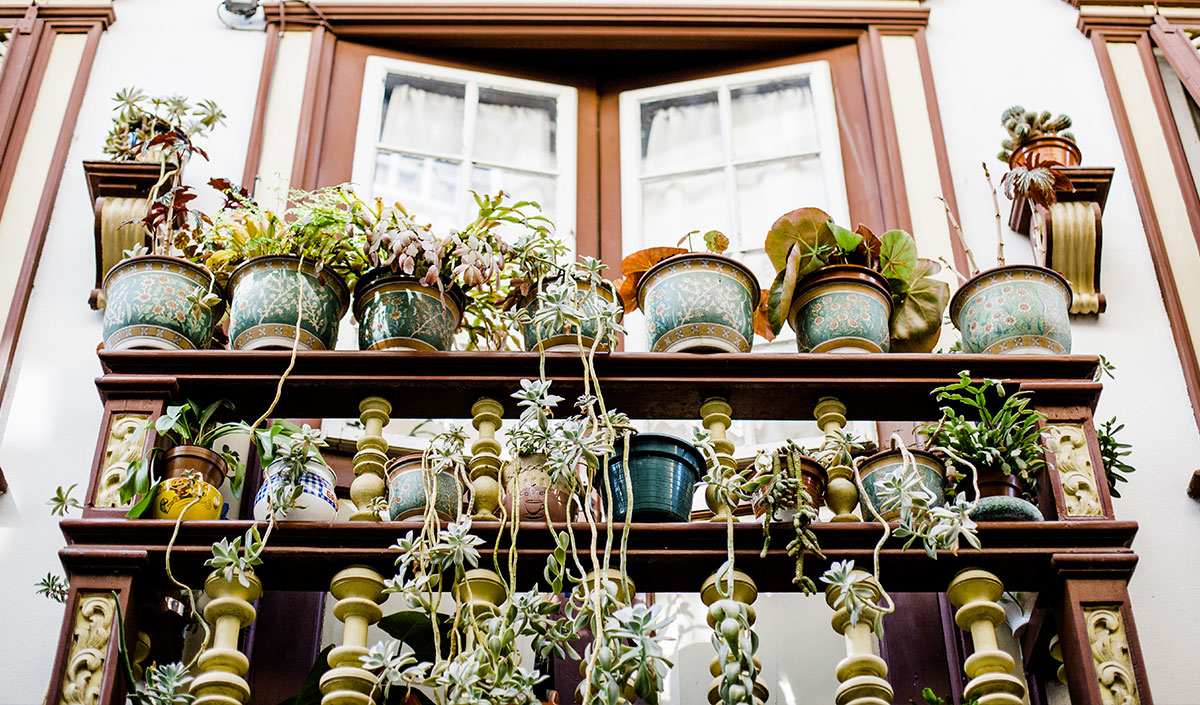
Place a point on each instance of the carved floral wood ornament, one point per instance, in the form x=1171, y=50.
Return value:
x=84, y=676
x=123, y=447
x=1073, y=460
x=1110, y=651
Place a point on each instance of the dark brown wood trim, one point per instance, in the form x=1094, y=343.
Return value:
x=1193, y=489
x=1141, y=192
x=1180, y=53
x=587, y=176
x=19, y=58
x=257, y=123
x=40, y=46
x=92, y=21
x=313, y=109
x=887, y=142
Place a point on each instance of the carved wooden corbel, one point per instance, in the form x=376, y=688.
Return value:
x=119, y=193
x=1069, y=238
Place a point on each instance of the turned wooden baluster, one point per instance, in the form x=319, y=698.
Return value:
x=976, y=593
x=745, y=592
x=358, y=590
x=370, y=482
x=841, y=496
x=862, y=673
x=222, y=666
x=1057, y=654
x=485, y=458
x=716, y=415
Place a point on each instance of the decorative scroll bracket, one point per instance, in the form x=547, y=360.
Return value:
x=119, y=193
x=1069, y=240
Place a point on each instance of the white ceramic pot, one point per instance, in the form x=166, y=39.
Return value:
x=318, y=503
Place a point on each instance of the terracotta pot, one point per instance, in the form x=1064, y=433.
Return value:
x=1047, y=148
x=146, y=305
x=406, y=490
x=993, y=483
x=395, y=311
x=699, y=302
x=535, y=494
x=1019, y=308
x=552, y=338
x=206, y=462
x=812, y=475
x=876, y=467
x=842, y=308
x=263, y=312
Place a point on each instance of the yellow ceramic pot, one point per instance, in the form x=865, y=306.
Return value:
x=174, y=495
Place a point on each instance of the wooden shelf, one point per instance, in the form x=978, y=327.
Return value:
x=662, y=557
x=643, y=385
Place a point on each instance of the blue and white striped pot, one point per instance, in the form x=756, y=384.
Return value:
x=318, y=503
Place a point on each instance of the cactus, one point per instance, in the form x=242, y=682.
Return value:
x=1024, y=125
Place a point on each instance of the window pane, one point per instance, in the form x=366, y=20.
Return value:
x=424, y=185
x=767, y=191
x=423, y=114
x=680, y=134
x=773, y=119
x=522, y=186
x=516, y=129
x=675, y=206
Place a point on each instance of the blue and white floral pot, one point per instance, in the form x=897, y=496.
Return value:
x=878, y=467
x=842, y=308
x=318, y=503
x=557, y=338
x=398, y=311
x=146, y=304
x=699, y=302
x=1015, y=309
x=406, y=490
x=265, y=291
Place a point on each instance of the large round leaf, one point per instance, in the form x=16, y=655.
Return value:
x=898, y=260
x=917, y=319
x=783, y=289
x=806, y=229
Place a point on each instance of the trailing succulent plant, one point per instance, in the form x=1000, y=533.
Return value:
x=783, y=490
x=804, y=240
x=1024, y=125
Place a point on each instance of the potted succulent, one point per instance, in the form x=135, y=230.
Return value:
x=1011, y=308
x=298, y=484
x=430, y=478
x=789, y=462
x=189, y=467
x=140, y=119
x=874, y=471
x=693, y=301
x=1032, y=134
x=850, y=291
x=998, y=436
x=283, y=268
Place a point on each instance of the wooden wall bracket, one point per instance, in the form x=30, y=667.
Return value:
x=119, y=193
x=1070, y=238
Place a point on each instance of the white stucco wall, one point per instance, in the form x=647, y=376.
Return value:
x=981, y=52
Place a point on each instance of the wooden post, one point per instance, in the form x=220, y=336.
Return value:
x=716, y=415
x=862, y=674
x=358, y=590
x=841, y=496
x=976, y=594
x=222, y=666
x=485, y=458
x=370, y=482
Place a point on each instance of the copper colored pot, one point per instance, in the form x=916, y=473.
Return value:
x=1048, y=148
x=993, y=483
x=206, y=462
x=812, y=475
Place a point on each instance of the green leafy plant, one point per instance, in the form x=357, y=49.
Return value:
x=1113, y=453
x=53, y=587
x=62, y=501
x=140, y=118
x=937, y=527
x=805, y=240
x=634, y=266
x=1024, y=125
x=784, y=490
x=186, y=424
x=286, y=449
x=932, y=698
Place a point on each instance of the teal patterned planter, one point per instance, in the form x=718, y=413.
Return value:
x=699, y=302
x=147, y=307
x=551, y=338
x=878, y=467
x=397, y=311
x=1015, y=309
x=406, y=491
x=265, y=291
x=842, y=308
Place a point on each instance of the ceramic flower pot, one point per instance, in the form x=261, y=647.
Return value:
x=195, y=499
x=266, y=291
x=1000, y=498
x=535, y=496
x=663, y=471
x=397, y=311
x=842, y=308
x=812, y=475
x=406, y=490
x=878, y=467
x=1015, y=309
x=699, y=302
x=317, y=503
x=1046, y=148
x=146, y=305
x=553, y=338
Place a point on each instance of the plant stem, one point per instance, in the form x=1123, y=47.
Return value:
x=999, y=220
x=961, y=240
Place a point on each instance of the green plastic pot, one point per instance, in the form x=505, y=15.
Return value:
x=663, y=471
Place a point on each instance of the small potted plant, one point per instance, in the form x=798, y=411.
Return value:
x=663, y=471
x=1011, y=308
x=877, y=469
x=788, y=462
x=851, y=291
x=190, y=467
x=693, y=301
x=998, y=435
x=140, y=119
x=1033, y=134
x=292, y=464
x=296, y=265
x=418, y=480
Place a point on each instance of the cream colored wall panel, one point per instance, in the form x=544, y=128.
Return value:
x=33, y=163
x=281, y=124
x=1169, y=206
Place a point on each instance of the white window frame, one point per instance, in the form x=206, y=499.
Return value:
x=367, y=142
x=829, y=147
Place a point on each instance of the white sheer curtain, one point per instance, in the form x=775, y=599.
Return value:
x=773, y=120
x=515, y=135
x=423, y=120
x=682, y=137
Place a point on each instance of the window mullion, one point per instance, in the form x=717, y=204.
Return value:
x=471, y=107
x=725, y=110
